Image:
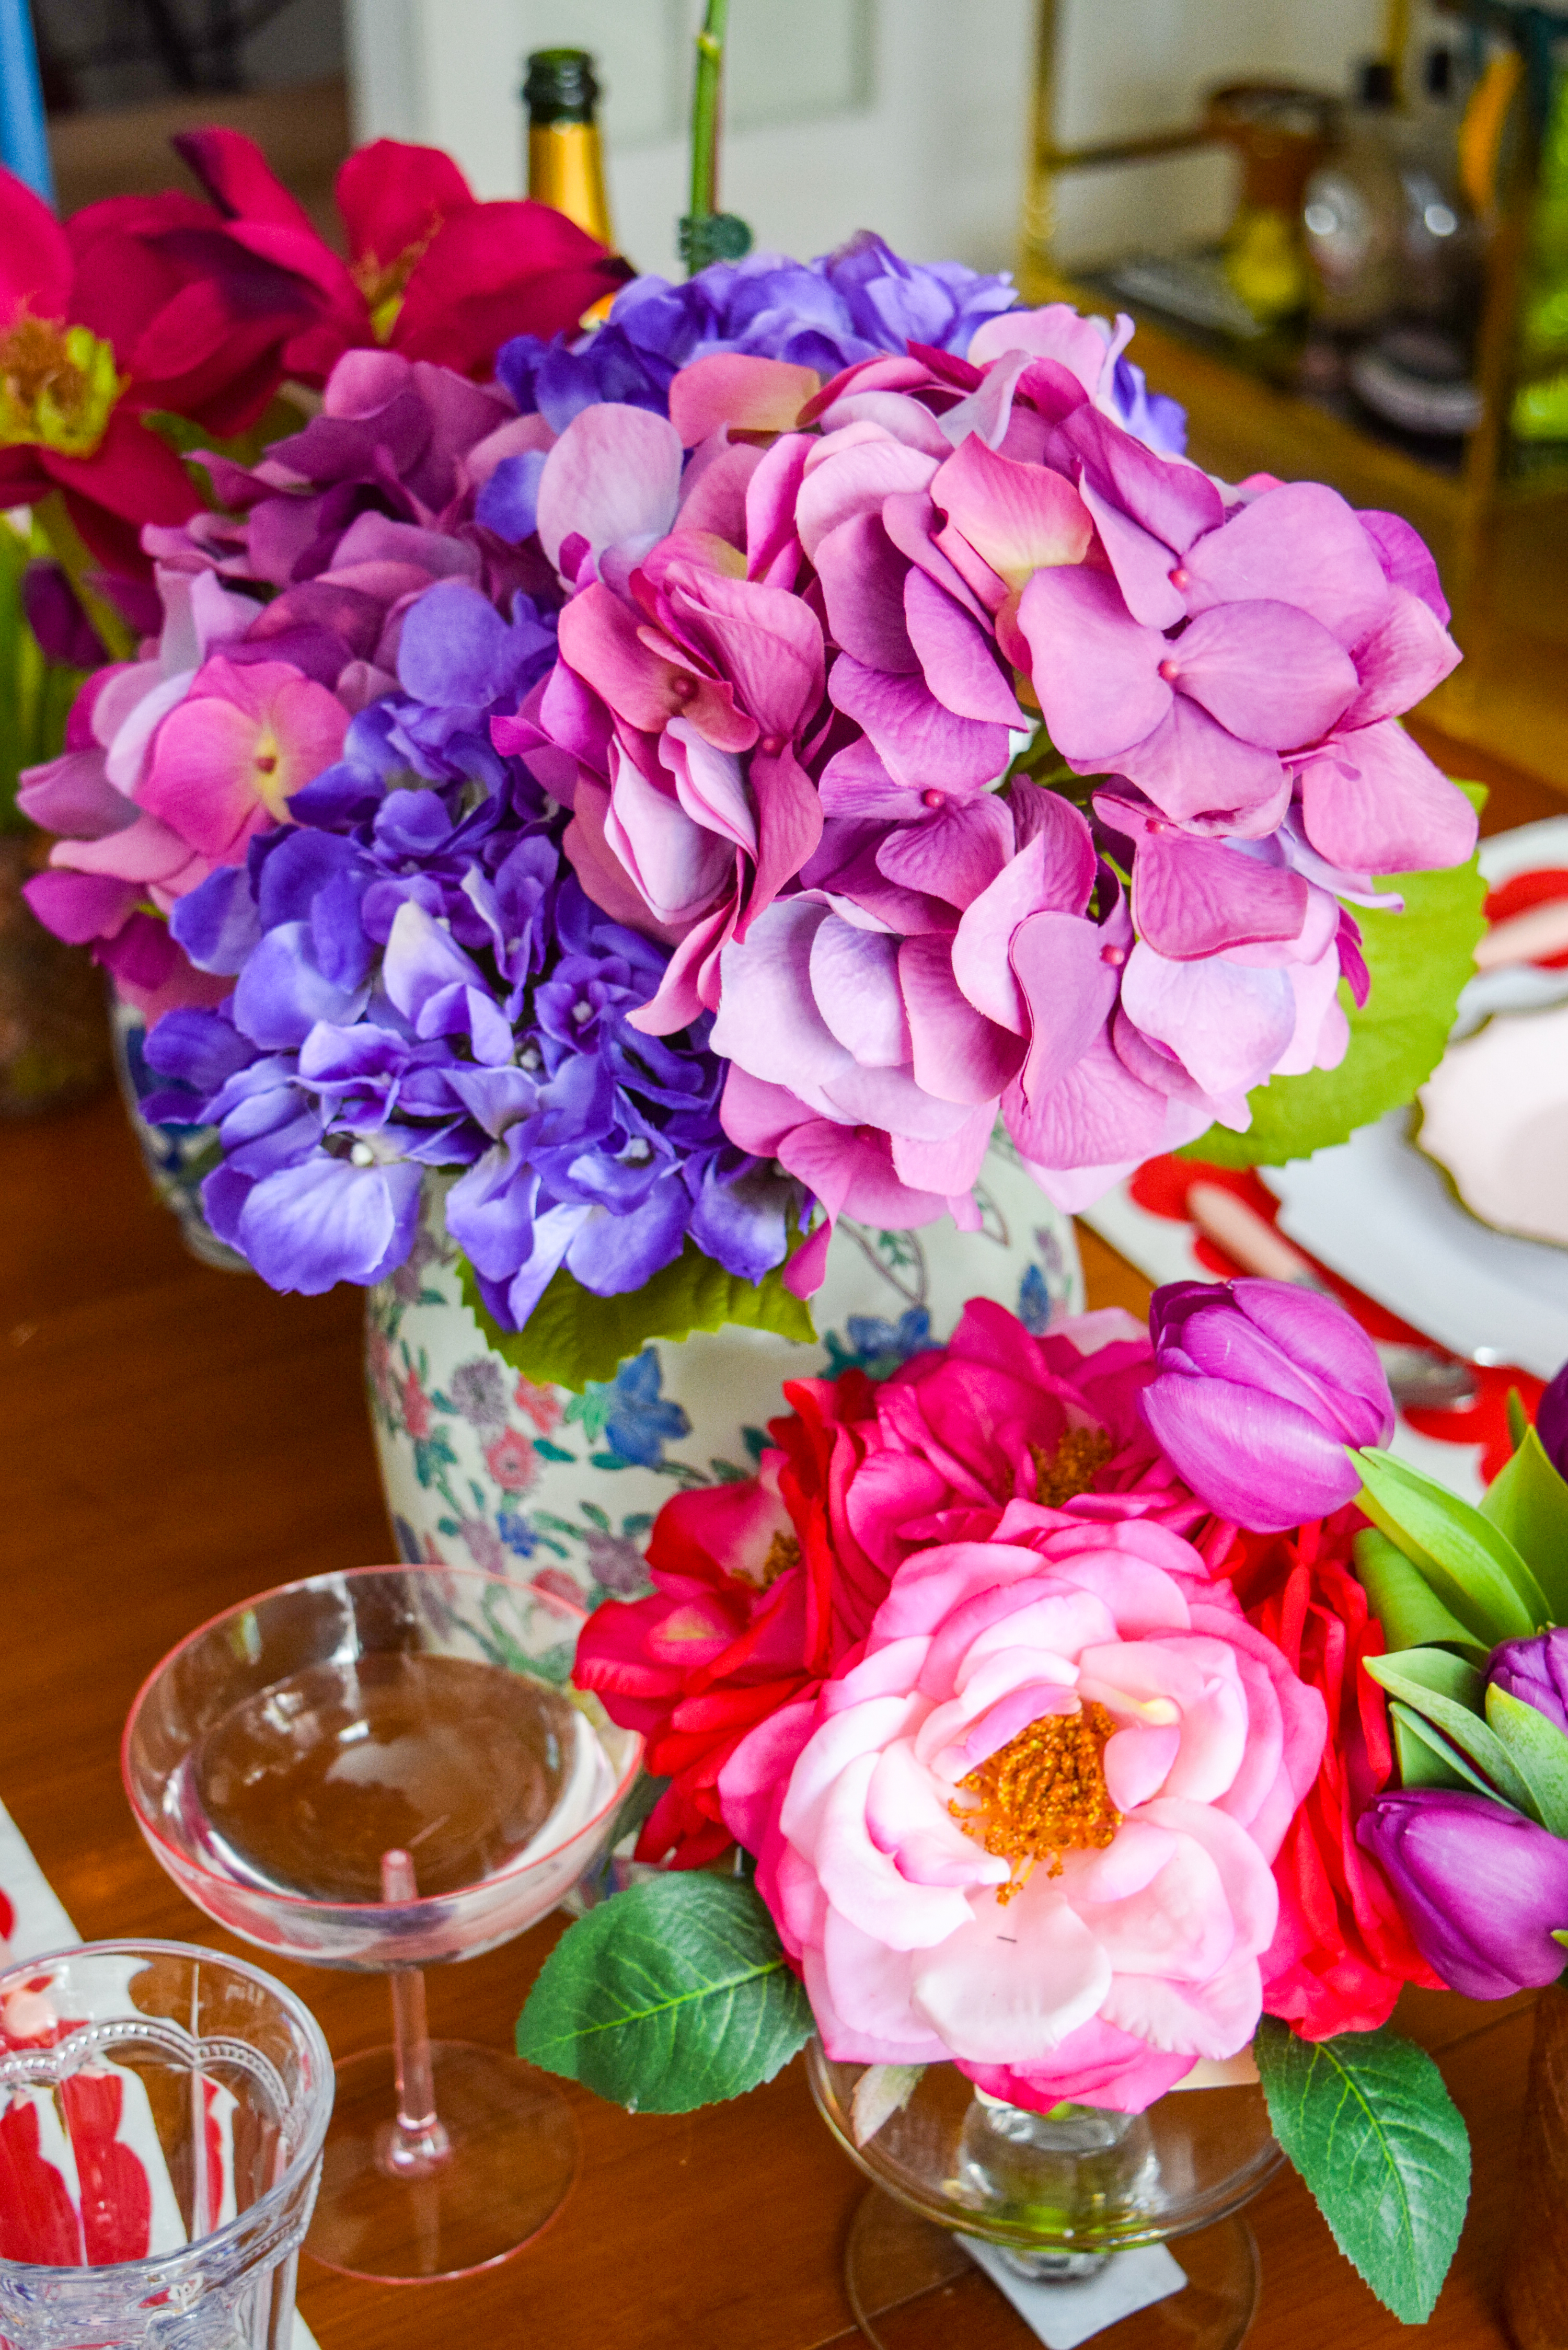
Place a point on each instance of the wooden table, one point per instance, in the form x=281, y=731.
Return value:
x=174, y=1438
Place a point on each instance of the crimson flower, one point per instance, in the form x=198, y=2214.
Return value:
x=432, y=272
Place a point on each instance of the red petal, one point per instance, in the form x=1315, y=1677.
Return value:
x=240, y=179
x=133, y=473
x=35, y=258
x=392, y=195
x=500, y=270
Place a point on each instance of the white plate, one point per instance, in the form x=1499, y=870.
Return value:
x=1495, y=1113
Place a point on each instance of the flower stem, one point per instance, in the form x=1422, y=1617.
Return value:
x=705, y=111
x=72, y=553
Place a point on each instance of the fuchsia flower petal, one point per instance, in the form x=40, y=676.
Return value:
x=1271, y=674
x=1374, y=802
x=1299, y=545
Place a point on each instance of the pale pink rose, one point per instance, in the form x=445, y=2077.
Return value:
x=1094, y=1951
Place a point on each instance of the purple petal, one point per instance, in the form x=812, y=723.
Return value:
x=1196, y=898
x=308, y=1228
x=1405, y=558
x=1552, y=1420
x=862, y=575
x=855, y=981
x=1318, y=1333
x=1407, y=654
x=1264, y=1463
x=1227, y=1023
x=915, y=736
x=1480, y=1887
x=956, y=855
x=73, y=794
x=1097, y=1116
x=216, y=922
x=281, y=994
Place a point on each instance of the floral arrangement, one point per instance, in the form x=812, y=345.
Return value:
x=1085, y=1711
x=691, y=780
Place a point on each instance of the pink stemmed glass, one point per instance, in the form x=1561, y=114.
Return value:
x=385, y=1770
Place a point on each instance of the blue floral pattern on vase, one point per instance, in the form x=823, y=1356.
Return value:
x=482, y=1466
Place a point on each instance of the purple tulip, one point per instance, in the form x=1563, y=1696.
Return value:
x=1536, y=1672
x=1551, y=1422
x=1260, y=1388
x=1480, y=1886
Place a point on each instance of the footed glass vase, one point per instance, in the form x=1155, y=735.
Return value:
x=1116, y=2227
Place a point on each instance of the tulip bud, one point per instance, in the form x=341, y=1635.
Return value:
x=1480, y=1887
x=1261, y=1386
x=1536, y=1672
x=1552, y=1422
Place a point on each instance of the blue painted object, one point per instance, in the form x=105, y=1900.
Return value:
x=24, y=140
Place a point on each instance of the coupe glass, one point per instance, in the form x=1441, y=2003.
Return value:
x=1053, y=2199
x=383, y=1770
x=161, y=2115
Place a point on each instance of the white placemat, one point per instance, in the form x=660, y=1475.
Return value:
x=1063, y=2315
x=40, y=1924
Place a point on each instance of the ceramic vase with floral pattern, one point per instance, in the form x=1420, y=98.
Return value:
x=480, y=1466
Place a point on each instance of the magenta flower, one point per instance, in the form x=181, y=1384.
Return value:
x=1482, y=1889
x=1102, y=1955
x=1261, y=1386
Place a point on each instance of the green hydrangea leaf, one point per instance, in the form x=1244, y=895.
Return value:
x=674, y=1994
x=1368, y=2124
x=573, y=1337
x=1418, y=961
x=1528, y=1503
x=1472, y=1566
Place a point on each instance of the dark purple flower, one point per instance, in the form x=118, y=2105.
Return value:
x=56, y=617
x=1551, y=1422
x=1536, y=1672
x=1261, y=1388
x=1482, y=1887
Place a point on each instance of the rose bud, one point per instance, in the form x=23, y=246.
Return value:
x=1261, y=1387
x=1480, y=1886
x=1536, y=1672
x=1551, y=1422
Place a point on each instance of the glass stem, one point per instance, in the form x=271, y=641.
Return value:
x=418, y=2143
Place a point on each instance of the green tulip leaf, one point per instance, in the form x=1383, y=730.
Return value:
x=1473, y=1569
x=674, y=1994
x=1528, y=1504
x=1419, y=960
x=1420, y=1689
x=1538, y=1750
x=1368, y=2124
x=1426, y=1758
x=573, y=1337
x=1518, y=1419
x=1411, y=1614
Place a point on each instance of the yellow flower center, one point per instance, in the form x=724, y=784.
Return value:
x=1071, y=1467
x=266, y=760
x=57, y=386
x=384, y=284
x=1041, y=1794
x=783, y=1551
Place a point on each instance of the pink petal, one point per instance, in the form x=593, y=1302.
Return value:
x=1096, y=1115
x=1267, y=672
x=613, y=477
x=765, y=641
x=1173, y=502
x=1069, y=989
x=896, y=413
x=82, y=906
x=771, y=495
x=1055, y=332
x=1191, y=767
x=1011, y=1985
x=789, y=824
x=1052, y=873
x=854, y=979
x=1407, y=654
x=754, y=395
x=915, y=736
x=846, y=477
x=1299, y=545
x=956, y=855
x=1142, y=563
x=1373, y=801
x=1018, y=518
x=1097, y=671
x=957, y=1053
x=958, y=658
x=951, y=1165
x=862, y=575
x=1227, y=1026
x=676, y=863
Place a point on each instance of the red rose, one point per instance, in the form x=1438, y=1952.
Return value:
x=1341, y=1951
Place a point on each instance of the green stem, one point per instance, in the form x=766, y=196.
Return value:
x=705, y=111
x=70, y=551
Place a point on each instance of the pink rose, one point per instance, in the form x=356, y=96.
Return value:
x=512, y=1462
x=1032, y=1828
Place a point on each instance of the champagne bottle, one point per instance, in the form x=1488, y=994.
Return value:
x=566, y=166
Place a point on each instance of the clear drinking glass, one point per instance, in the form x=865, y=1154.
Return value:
x=1052, y=2199
x=161, y=2117
x=385, y=1770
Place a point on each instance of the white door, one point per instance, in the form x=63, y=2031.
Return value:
x=908, y=115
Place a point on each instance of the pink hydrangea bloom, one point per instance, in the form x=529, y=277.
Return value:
x=937, y=1912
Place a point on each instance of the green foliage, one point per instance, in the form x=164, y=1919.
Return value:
x=674, y=1994
x=1539, y=1753
x=1528, y=1503
x=1471, y=1566
x=35, y=694
x=1411, y=1614
x=573, y=1337
x=1428, y=1759
x=1428, y=1680
x=1367, y=2122
x=1418, y=961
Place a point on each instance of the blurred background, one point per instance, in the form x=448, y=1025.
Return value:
x=1342, y=226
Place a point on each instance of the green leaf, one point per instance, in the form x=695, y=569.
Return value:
x=1539, y=1752
x=1419, y=960
x=1411, y=1614
x=1425, y=1757
x=1473, y=1569
x=573, y=1337
x=674, y=1994
x=1421, y=1689
x=1518, y=1419
x=1528, y=1503
x=1367, y=2122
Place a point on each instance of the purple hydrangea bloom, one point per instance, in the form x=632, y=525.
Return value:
x=420, y=980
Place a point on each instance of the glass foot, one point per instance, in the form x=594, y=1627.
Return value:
x=513, y=2157
x=912, y=2286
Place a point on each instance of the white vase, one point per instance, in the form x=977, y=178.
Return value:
x=479, y=1465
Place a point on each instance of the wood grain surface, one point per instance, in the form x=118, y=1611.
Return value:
x=173, y=1439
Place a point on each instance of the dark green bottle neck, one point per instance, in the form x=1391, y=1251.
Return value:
x=559, y=87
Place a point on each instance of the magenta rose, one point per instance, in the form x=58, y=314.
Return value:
x=1032, y=1828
